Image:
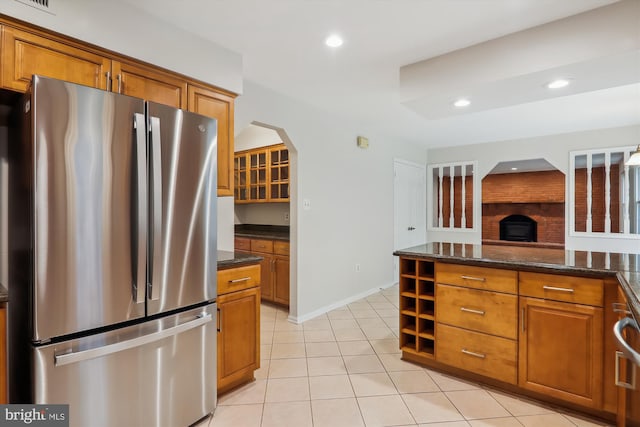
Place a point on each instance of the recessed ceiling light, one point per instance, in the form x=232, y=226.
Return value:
x=557, y=84
x=334, y=40
x=462, y=103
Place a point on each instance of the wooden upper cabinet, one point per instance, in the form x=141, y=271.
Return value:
x=219, y=106
x=24, y=54
x=262, y=174
x=149, y=84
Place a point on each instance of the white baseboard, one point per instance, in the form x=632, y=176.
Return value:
x=337, y=304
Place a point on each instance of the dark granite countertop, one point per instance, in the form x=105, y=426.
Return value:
x=626, y=267
x=227, y=259
x=4, y=294
x=254, y=231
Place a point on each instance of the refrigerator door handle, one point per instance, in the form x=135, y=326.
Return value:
x=156, y=168
x=140, y=250
x=69, y=358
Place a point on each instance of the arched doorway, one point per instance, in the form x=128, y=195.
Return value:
x=280, y=213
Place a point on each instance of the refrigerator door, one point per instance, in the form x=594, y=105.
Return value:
x=157, y=373
x=182, y=203
x=88, y=224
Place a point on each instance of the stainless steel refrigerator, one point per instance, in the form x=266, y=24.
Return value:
x=112, y=252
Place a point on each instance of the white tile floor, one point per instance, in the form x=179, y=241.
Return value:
x=344, y=369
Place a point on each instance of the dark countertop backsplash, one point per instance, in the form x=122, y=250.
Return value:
x=256, y=231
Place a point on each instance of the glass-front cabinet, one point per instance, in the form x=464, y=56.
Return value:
x=262, y=175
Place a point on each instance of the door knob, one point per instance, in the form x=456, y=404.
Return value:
x=411, y=228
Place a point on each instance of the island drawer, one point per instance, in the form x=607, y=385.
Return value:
x=483, y=354
x=258, y=245
x=239, y=278
x=470, y=276
x=579, y=290
x=483, y=311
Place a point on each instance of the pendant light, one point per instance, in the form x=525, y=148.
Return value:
x=634, y=160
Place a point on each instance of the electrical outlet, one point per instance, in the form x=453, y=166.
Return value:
x=357, y=268
x=286, y=216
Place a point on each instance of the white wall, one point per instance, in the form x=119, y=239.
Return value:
x=351, y=195
x=262, y=213
x=555, y=149
x=254, y=136
x=124, y=29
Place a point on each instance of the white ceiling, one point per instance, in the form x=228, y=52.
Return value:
x=282, y=46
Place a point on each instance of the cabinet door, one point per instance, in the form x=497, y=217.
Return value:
x=240, y=178
x=560, y=350
x=281, y=279
x=238, y=336
x=258, y=176
x=219, y=106
x=24, y=54
x=266, y=276
x=149, y=84
x=279, y=174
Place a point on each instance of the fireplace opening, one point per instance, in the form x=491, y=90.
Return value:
x=518, y=228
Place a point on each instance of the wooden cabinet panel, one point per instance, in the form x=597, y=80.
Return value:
x=483, y=311
x=266, y=277
x=242, y=244
x=280, y=247
x=219, y=106
x=238, y=337
x=238, y=278
x=281, y=279
x=470, y=276
x=149, y=84
x=560, y=350
x=258, y=245
x=24, y=54
x=483, y=354
x=579, y=290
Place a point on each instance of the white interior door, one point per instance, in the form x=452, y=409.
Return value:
x=410, y=207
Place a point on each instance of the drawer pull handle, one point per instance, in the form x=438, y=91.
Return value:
x=553, y=288
x=478, y=279
x=620, y=383
x=474, y=354
x=470, y=310
x=244, y=279
x=619, y=307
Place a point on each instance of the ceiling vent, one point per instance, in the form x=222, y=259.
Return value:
x=43, y=5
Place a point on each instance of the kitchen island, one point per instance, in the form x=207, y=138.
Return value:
x=537, y=321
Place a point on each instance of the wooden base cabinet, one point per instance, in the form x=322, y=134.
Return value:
x=238, y=326
x=561, y=350
x=544, y=335
x=274, y=266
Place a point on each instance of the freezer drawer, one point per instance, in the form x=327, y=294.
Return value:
x=158, y=373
